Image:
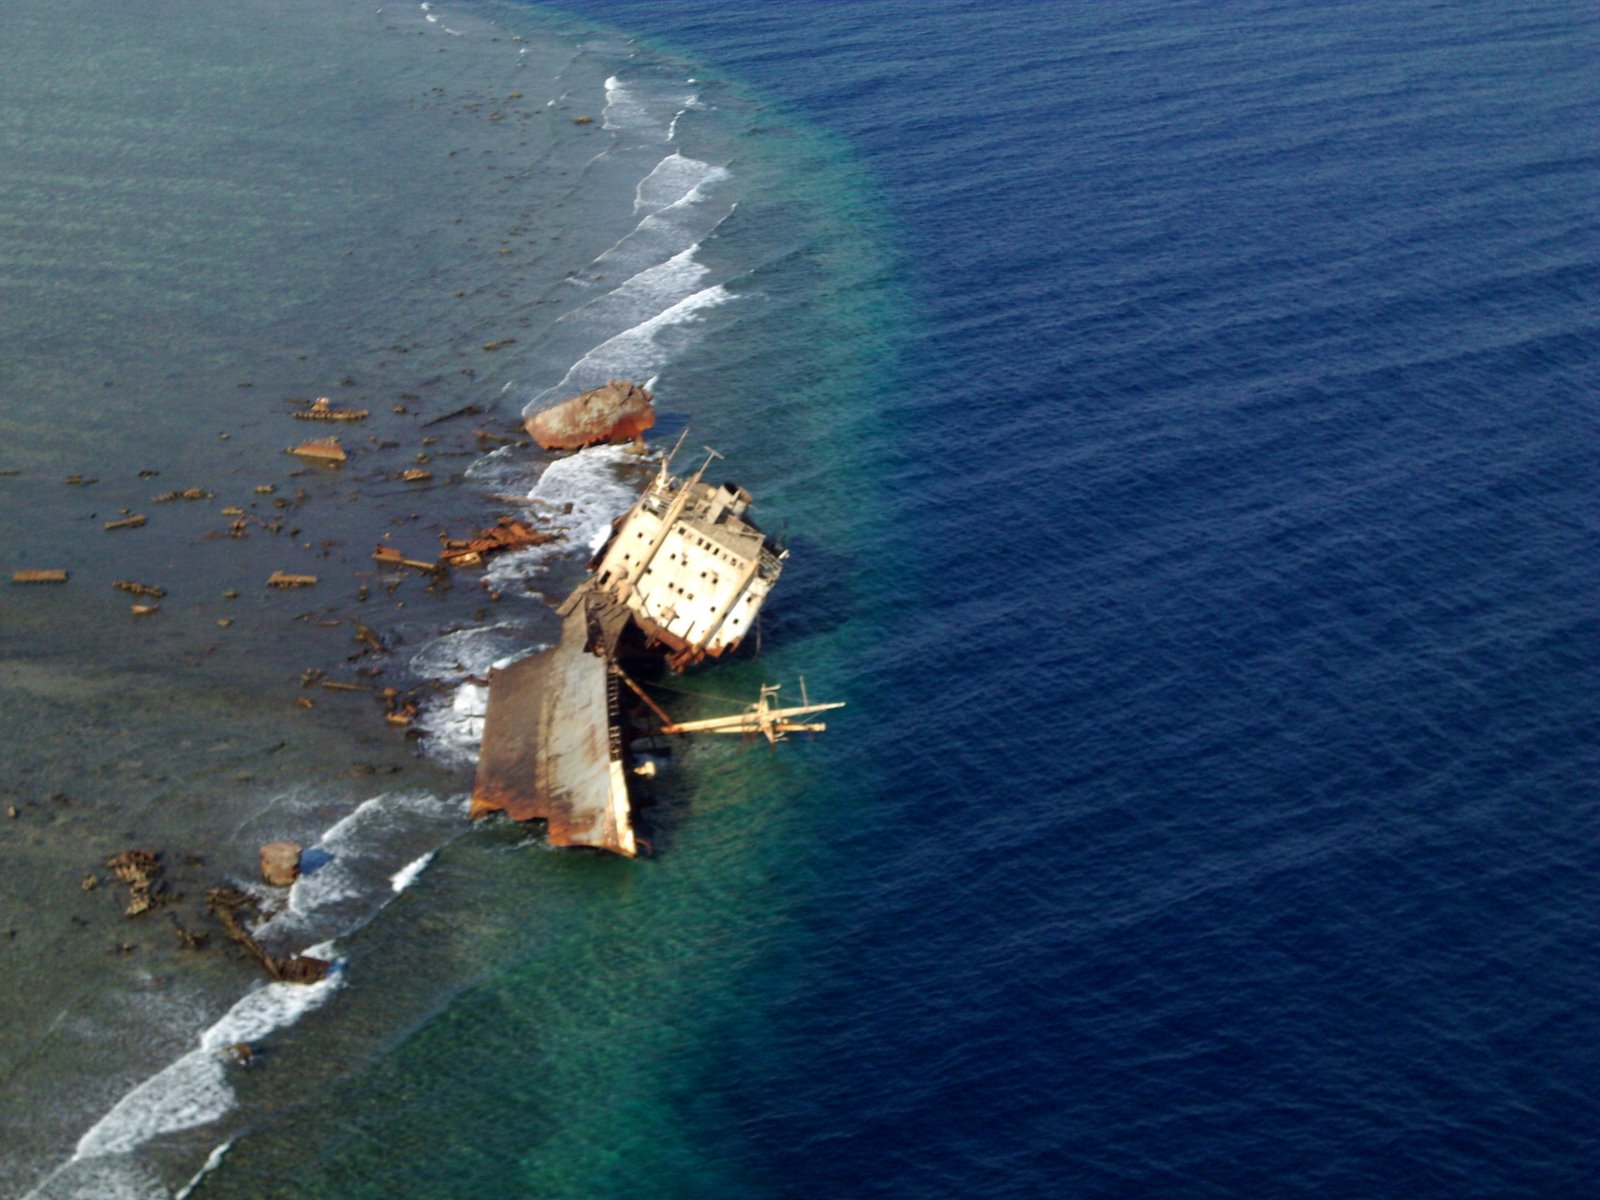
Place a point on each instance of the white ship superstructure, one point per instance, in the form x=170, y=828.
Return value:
x=688, y=566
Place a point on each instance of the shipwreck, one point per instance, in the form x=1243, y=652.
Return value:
x=681, y=579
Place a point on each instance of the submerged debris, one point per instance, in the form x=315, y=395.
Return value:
x=470, y=410
x=322, y=410
x=229, y=905
x=141, y=870
x=139, y=589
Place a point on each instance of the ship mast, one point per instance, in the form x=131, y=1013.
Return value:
x=772, y=723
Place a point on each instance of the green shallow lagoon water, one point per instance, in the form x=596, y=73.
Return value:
x=213, y=211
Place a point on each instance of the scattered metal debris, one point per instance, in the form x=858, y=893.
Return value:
x=325, y=450
x=283, y=579
x=508, y=533
x=390, y=556
x=133, y=522
x=322, y=410
x=141, y=870
x=228, y=905
x=139, y=589
x=40, y=575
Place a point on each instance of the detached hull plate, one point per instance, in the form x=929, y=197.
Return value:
x=549, y=752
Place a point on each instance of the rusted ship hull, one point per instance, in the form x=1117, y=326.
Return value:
x=681, y=579
x=553, y=748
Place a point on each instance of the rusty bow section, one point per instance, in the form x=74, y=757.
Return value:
x=552, y=748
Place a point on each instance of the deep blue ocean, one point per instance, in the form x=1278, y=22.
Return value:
x=1184, y=417
x=1223, y=815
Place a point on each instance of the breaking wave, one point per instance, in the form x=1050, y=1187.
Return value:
x=653, y=116
x=407, y=875
x=358, y=865
x=672, y=181
x=188, y=1093
x=213, y=1161
x=195, y=1090
x=642, y=350
x=453, y=730
x=343, y=875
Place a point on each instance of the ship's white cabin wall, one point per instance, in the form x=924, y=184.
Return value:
x=627, y=552
x=739, y=619
x=693, y=579
x=695, y=587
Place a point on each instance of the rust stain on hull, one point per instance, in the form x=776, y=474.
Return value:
x=549, y=749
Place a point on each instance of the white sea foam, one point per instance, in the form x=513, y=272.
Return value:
x=622, y=109
x=680, y=209
x=467, y=651
x=589, y=482
x=453, y=730
x=344, y=884
x=639, y=351
x=107, y=1178
x=213, y=1161
x=407, y=875
x=353, y=856
x=673, y=179
x=194, y=1090
x=643, y=110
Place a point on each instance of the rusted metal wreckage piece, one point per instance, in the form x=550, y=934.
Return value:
x=322, y=410
x=619, y=412
x=508, y=533
x=390, y=556
x=552, y=747
x=141, y=870
x=139, y=589
x=323, y=450
x=226, y=904
x=284, y=579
